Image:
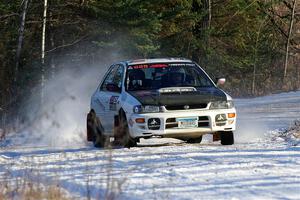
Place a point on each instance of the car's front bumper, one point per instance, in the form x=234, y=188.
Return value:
x=168, y=120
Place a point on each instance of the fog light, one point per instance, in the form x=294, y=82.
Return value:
x=140, y=120
x=231, y=115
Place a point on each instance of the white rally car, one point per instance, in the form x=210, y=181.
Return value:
x=167, y=97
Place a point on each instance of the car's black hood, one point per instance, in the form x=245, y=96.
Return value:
x=201, y=95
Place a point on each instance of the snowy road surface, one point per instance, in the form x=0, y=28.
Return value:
x=260, y=165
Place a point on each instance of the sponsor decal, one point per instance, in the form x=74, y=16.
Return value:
x=177, y=89
x=158, y=66
x=182, y=64
x=144, y=66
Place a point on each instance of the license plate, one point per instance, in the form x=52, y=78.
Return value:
x=191, y=122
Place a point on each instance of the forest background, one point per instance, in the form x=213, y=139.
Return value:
x=255, y=44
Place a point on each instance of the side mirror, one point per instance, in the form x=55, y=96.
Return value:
x=220, y=81
x=112, y=87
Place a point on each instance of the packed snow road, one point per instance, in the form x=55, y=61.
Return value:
x=261, y=165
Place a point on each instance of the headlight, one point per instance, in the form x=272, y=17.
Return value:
x=221, y=105
x=146, y=109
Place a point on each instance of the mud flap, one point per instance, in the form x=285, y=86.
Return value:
x=117, y=134
x=216, y=137
x=116, y=121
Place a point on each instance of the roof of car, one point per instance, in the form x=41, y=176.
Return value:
x=157, y=60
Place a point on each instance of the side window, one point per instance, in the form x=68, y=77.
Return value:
x=118, y=76
x=198, y=77
x=109, y=78
x=113, y=81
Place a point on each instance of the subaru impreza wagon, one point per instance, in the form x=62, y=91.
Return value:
x=168, y=98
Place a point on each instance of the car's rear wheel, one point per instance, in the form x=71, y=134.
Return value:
x=123, y=135
x=227, y=138
x=95, y=130
x=194, y=140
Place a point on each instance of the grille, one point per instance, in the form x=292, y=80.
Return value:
x=203, y=121
x=184, y=107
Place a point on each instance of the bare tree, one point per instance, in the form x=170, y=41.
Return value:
x=43, y=50
x=206, y=6
x=289, y=39
x=21, y=37
x=52, y=44
x=254, y=73
x=209, y=12
x=18, y=57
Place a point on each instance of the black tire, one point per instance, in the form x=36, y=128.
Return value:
x=194, y=140
x=89, y=127
x=96, y=130
x=124, y=137
x=227, y=138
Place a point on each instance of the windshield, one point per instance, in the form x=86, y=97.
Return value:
x=156, y=76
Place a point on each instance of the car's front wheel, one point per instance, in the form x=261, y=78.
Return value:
x=227, y=138
x=95, y=130
x=123, y=135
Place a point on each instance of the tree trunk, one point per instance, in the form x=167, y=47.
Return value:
x=43, y=51
x=53, y=67
x=20, y=40
x=288, y=41
x=298, y=76
x=253, y=80
x=206, y=7
x=209, y=13
x=18, y=57
x=253, y=89
x=3, y=126
x=209, y=9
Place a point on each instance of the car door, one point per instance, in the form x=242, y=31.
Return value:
x=108, y=96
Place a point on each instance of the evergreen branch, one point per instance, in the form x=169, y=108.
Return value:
x=3, y=17
x=237, y=13
x=67, y=45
